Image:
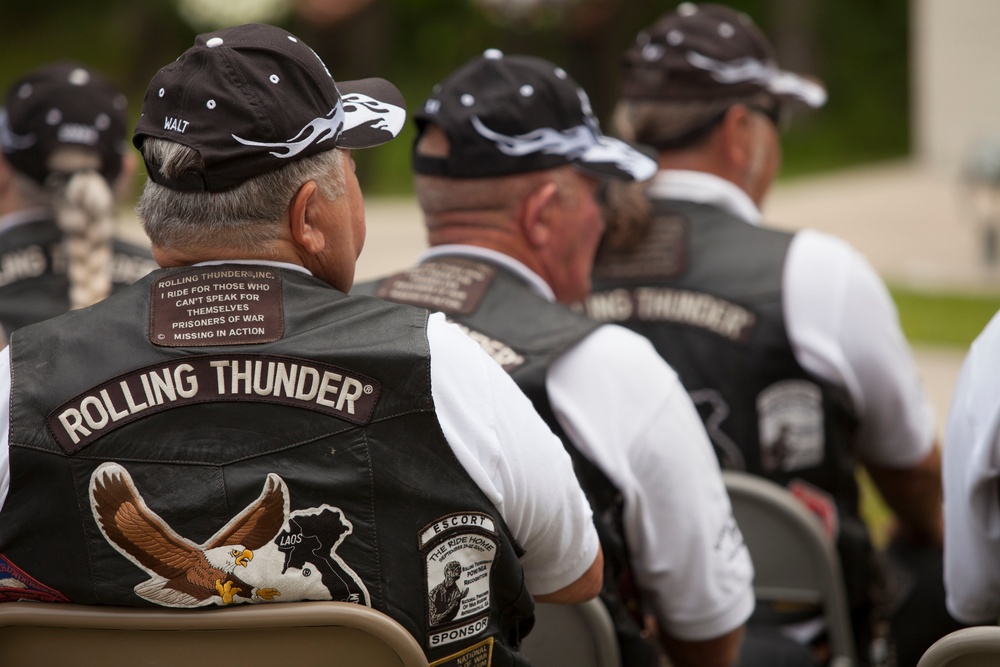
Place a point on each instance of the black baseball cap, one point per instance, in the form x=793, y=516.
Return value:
x=709, y=51
x=252, y=98
x=62, y=104
x=507, y=115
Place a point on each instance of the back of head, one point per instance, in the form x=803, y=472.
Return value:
x=498, y=124
x=62, y=129
x=233, y=128
x=684, y=71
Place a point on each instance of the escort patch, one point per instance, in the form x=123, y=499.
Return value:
x=790, y=425
x=458, y=550
x=290, y=381
x=478, y=655
x=662, y=254
x=264, y=553
x=450, y=285
x=16, y=584
x=664, y=304
x=216, y=306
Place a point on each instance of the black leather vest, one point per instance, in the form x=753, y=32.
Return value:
x=33, y=281
x=526, y=334
x=231, y=434
x=705, y=288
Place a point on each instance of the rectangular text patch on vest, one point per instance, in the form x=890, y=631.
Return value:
x=300, y=383
x=216, y=305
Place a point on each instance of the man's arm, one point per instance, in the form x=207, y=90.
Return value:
x=585, y=588
x=719, y=652
x=914, y=495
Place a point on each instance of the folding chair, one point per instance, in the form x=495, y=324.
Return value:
x=792, y=557
x=968, y=647
x=303, y=634
x=572, y=635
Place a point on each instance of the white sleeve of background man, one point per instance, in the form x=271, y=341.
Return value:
x=843, y=327
x=513, y=457
x=972, y=484
x=626, y=410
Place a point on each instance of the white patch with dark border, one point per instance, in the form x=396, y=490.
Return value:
x=790, y=421
x=459, y=551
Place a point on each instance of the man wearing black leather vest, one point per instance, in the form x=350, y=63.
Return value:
x=62, y=167
x=236, y=429
x=508, y=159
x=789, y=344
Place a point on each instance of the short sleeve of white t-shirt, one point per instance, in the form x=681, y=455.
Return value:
x=971, y=472
x=626, y=410
x=843, y=327
x=513, y=457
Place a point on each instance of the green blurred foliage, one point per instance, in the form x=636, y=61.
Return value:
x=858, y=47
x=944, y=317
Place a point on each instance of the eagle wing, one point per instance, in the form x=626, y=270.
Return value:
x=259, y=522
x=136, y=530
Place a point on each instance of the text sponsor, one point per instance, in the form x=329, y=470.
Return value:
x=459, y=633
x=256, y=378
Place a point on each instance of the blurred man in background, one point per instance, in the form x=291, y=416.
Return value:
x=63, y=170
x=235, y=429
x=789, y=344
x=508, y=159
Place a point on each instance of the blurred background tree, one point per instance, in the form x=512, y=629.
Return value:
x=858, y=48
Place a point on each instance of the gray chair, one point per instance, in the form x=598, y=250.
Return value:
x=793, y=559
x=968, y=647
x=572, y=635
x=302, y=634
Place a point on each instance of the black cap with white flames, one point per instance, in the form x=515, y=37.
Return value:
x=507, y=115
x=252, y=98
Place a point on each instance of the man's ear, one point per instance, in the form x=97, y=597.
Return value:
x=737, y=133
x=535, y=214
x=303, y=218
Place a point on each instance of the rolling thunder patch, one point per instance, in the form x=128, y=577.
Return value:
x=216, y=306
x=452, y=285
x=291, y=381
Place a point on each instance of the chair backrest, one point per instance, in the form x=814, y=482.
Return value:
x=793, y=559
x=572, y=635
x=302, y=634
x=968, y=647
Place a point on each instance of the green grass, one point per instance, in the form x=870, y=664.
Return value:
x=943, y=318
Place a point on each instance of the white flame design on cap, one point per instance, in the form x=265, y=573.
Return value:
x=315, y=131
x=579, y=142
x=752, y=70
x=13, y=142
x=388, y=117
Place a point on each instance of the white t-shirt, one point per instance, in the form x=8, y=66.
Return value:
x=841, y=323
x=498, y=438
x=626, y=410
x=972, y=483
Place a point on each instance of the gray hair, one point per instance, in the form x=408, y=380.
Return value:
x=245, y=218
x=661, y=123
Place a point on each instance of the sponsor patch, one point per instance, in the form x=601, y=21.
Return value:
x=790, y=425
x=266, y=553
x=666, y=304
x=662, y=254
x=216, y=306
x=477, y=655
x=16, y=584
x=451, y=285
x=458, y=551
x=300, y=383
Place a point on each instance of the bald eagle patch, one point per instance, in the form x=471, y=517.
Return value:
x=265, y=553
